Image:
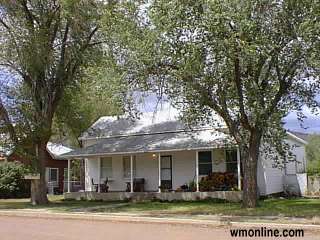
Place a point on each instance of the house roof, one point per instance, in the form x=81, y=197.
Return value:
x=56, y=150
x=155, y=142
x=148, y=123
x=152, y=132
x=303, y=136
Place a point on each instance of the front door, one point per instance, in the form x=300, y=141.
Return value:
x=166, y=172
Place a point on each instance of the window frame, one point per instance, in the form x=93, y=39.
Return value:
x=104, y=174
x=207, y=163
x=50, y=174
x=235, y=162
x=128, y=158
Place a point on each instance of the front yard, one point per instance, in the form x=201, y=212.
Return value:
x=306, y=208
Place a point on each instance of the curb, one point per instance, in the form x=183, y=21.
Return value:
x=151, y=220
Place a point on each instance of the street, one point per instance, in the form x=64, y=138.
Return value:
x=26, y=228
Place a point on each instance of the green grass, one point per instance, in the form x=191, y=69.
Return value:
x=270, y=207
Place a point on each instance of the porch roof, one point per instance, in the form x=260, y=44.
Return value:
x=157, y=142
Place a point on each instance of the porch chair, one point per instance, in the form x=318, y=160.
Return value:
x=138, y=185
x=104, y=187
x=94, y=186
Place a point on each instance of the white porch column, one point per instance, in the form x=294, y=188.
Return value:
x=159, y=164
x=197, y=171
x=131, y=173
x=99, y=175
x=69, y=163
x=239, y=169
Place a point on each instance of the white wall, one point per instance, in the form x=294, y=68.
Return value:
x=296, y=184
x=219, y=160
x=261, y=178
x=146, y=167
x=91, y=172
x=298, y=166
x=183, y=169
x=269, y=177
x=272, y=179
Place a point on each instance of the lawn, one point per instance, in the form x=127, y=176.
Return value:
x=270, y=207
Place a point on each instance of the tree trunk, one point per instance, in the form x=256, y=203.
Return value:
x=250, y=156
x=39, y=187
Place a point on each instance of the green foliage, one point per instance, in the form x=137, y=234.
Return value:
x=12, y=183
x=47, y=46
x=313, y=155
x=247, y=61
x=250, y=62
x=98, y=95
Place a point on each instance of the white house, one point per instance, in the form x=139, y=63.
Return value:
x=157, y=156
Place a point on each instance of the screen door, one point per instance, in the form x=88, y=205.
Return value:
x=166, y=172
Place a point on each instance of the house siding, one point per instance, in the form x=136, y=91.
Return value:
x=272, y=179
x=50, y=163
x=183, y=169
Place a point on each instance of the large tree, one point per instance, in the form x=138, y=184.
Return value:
x=46, y=45
x=251, y=62
x=99, y=94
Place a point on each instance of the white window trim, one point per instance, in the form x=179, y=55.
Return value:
x=49, y=174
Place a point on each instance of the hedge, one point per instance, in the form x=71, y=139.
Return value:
x=12, y=182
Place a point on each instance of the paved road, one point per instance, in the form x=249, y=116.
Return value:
x=26, y=228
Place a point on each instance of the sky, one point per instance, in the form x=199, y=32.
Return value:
x=310, y=125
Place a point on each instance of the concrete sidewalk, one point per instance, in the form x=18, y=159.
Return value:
x=199, y=220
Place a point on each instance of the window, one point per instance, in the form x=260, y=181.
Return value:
x=205, y=162
x=53, y=175
x=231, y=160
x=65, y=174
x=127, y=168
x=106, y=167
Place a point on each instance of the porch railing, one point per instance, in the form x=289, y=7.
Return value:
x=75, y=186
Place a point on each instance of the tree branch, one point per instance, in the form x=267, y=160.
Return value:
x=4, y=116
x=237, y=78
x=30, y=17
x=285, y=83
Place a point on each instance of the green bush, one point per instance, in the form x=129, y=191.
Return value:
x=313, y=155
x=12, y=182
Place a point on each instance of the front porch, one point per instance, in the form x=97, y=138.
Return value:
x=171, y=175
x=231, y=196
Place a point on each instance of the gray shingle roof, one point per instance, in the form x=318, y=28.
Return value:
x=157, y=142
x=115, y=126
x=148, y=123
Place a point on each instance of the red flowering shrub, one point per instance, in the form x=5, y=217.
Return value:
x=218, y=181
